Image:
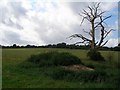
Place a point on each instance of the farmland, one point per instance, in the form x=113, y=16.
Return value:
x=16, y=76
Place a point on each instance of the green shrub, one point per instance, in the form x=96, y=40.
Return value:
x=95, y=55
x=54, y=59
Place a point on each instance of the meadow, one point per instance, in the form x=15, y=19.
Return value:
x=14, y=75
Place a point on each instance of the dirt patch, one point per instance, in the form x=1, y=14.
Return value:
x=77, y=68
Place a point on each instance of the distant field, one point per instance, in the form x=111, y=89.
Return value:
x=16, y=77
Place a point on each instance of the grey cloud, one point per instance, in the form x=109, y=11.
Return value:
x=10, y=23
x=12, y=37
x=77, y=7
x=3, y=13
x=17, y=9
x=14, y=9
x=54, y=37
x=52, y=34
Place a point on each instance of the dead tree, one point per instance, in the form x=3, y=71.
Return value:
x=96, y=17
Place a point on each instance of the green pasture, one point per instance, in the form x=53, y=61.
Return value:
x=16, y=76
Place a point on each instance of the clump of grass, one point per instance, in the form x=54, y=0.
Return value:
x=54, y=59
x=95, y=55
x=82, y=76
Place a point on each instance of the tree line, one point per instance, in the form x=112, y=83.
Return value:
x=63, y=45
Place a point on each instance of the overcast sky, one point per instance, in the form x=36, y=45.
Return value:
x=38, y=23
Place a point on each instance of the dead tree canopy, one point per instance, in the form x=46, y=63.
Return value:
x=96, y=17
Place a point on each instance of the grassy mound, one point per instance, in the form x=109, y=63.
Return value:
x=68, y=68
x=55, y=59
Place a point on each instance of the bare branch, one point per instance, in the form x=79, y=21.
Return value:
x=80, y=36
x=106, y=34
x=98, y=5
x=104, y=43
x=102, y=20
x=100, y=14
x=91, y=10
x=96, y=9
x=88, y=17
x=80, y=42
x=96, y=42
x=83, y=19
x=86, y=13
x=102, y=34
x=87, y=32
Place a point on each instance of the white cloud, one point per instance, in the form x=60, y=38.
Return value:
x=112, y=43
x=35, y=22
x=107, y=6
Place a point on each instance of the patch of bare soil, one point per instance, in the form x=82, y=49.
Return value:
x=77, y=68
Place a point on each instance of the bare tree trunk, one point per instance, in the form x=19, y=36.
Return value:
x=93, y=35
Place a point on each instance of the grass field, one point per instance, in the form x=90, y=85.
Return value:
x=15, y=76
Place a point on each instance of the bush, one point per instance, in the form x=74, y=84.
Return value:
x=54, y=58
x=95, y=55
